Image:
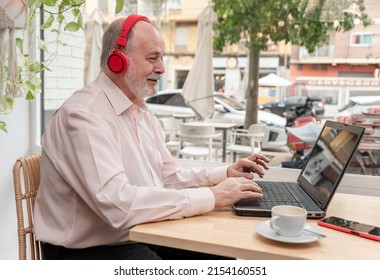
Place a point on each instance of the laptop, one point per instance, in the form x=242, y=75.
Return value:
x=318, y=180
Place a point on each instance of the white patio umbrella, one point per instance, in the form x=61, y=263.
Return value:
x=273, y=80
x=199, y=85
x=93, y=40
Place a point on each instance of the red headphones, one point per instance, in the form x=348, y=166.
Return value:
x=118, y=61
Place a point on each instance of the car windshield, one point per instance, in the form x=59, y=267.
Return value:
x=170, y=99
x=295, y=100
x=230, y=102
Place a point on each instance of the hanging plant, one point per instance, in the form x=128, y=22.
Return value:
x=59, y=15
x=21, y=75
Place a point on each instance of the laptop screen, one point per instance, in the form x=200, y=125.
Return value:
x=329, y=159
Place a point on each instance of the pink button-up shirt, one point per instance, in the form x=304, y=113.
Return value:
x=105, y=168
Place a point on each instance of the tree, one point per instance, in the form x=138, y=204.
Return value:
x=257, y=22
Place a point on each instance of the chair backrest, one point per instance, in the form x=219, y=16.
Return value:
x=196, y=134
x=170, y=127
x=257, y=129
x=169, y=124
x=26, y=180
x=257, y=133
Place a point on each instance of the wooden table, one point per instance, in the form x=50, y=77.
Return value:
x=222, y=232
x=224, y=127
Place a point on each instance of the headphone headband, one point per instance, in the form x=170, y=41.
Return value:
x=129, y=22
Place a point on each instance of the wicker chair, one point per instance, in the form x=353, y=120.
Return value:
x=26, y=179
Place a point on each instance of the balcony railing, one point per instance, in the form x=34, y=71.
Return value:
x=320, y=53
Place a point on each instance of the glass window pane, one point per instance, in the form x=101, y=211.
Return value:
x=181, y=35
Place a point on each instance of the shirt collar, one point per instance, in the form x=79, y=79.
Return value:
x=119, y=101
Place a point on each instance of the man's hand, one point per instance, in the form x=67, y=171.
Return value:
x=244, y=167
x=232, y=190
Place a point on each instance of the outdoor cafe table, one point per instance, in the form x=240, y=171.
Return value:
x=224, y=233
x=183, y=117
x=224, y=127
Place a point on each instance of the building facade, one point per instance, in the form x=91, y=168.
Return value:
x=347, y=66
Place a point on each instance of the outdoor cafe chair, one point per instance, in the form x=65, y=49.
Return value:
x=26, y=181
x=171, y=130
x=196, y=141
x=254, y=135
x=218, y=142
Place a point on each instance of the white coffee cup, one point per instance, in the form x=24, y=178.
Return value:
x=288, y=220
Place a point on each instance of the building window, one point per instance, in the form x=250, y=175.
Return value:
x=299, y=67
x=314, y=67
x=181, y=76
x=181, y=37
x=361, y=39
x=175, y=4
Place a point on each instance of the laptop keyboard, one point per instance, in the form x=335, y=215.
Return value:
x=273, y=195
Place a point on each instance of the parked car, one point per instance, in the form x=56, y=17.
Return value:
x=171, y=102
x=279, y=108
x=357, y=105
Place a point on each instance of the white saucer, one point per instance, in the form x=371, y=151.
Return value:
x=264, y=230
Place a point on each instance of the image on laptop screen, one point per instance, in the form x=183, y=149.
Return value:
x=329, y=158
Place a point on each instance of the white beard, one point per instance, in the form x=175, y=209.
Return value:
x=142, y=90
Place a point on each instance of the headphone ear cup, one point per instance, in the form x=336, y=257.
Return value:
x=118, y=62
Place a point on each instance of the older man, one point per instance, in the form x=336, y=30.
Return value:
x=105, y=167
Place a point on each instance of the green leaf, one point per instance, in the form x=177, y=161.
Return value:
x=9, y=102
x=72, y=26
x=3, y=126
x=49, y=3
x=119, y=6
x=42, y=45
x=33, y=4
x=80, y=20
x=29, y=95
x=48, y=22
x=73, y=2
x=20, y=44
x=29, y=85
x=35, y=67
x=75, y=12
x=61, y=17
x=38, y=84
